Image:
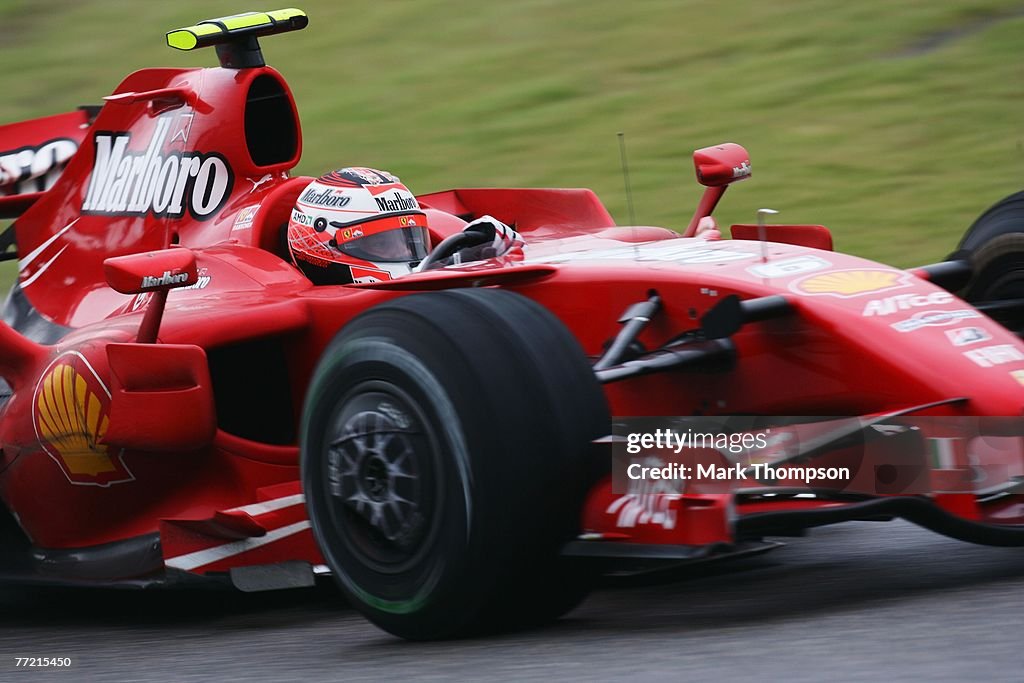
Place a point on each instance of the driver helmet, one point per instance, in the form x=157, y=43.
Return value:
x=357, y=225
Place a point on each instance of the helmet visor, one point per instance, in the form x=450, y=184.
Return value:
x=389, y=246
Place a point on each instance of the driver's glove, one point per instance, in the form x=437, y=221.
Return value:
x=488, y=237
x=496, y=239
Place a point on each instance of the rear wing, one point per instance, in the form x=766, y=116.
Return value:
x=34, y=153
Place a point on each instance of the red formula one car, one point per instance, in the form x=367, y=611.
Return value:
x=183, y=404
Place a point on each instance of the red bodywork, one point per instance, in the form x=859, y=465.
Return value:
x=193, y=438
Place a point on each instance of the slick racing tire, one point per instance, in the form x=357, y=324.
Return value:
x=446, y=451
x=994, y=246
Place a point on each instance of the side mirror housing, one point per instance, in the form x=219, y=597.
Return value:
x=151, y=271
x=720, y=165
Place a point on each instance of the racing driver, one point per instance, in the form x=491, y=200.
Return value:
x=363, y=225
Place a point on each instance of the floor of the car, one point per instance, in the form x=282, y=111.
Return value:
x=131, y=563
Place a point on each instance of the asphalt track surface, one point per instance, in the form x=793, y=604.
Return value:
x=858, y=602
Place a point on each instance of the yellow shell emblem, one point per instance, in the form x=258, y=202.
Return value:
x=72, y=415
x=849, y=283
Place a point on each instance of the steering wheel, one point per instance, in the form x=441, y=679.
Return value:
x=451, y=244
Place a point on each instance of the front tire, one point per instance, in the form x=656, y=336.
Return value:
x=446, y=450
x=994, y=246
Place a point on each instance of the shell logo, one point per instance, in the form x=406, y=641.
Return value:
x=71, y=411
x=846, y=284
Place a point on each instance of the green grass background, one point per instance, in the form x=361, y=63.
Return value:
x=894, y=124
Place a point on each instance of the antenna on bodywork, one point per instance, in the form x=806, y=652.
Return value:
x=235, y=37
x=625, y=176
x=762, y=231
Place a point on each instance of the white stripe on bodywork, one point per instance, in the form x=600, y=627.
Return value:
x=200, y=558
x=42, y=247
x=42, y=269
x=257, y=509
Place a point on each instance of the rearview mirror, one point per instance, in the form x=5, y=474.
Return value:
x=151, y=271
x=722, y=164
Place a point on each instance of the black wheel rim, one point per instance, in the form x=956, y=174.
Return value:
x=380, y=475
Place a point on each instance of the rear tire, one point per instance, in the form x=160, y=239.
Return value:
x=446, y=451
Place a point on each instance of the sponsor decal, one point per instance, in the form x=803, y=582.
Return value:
x=648, y=501
x=362, y=276
x=693, y=255
x=183, y=127
x=140, y=300
x=149, y=281
x=124, y=183
x=846, y=284
x=1018, y=375
x=328, y=198
x=71, y=412
x=261, y=180
x=246, y=216
x=790, y=266
x=943, y=452
x=302, y=218
x=676, y=251
x=310, y=258
x=34, y=169
x=905, y=302
x=202, y=280
x=990, y=356
x=741, y=171
x=396, y=203
x=933, y=319
x=963, y=336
